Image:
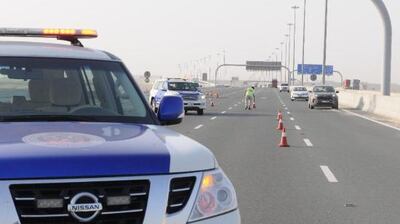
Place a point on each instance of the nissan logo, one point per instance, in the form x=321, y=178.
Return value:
x=85, y=207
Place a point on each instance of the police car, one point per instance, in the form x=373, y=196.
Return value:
x=79, y=144
x=194, y=99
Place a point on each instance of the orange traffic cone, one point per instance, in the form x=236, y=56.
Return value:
x=280, y=125
x=279, y=117
x=284, y=142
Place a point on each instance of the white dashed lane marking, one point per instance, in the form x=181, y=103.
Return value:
x=308, y=142
x=198, y=126
x=292, y=118
x=230, y=108
x=213, y=118
x=223, y=112
x=288, y=112
x=297, y=127
x=328, y=174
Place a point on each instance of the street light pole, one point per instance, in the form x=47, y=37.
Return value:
x=387, y=58
x=281, y=58
x=289, y=49
x=304, y=42
x=325, y=42
x=286, y=54
x=294, y=41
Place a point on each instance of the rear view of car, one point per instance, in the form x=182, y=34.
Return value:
x=299, y=93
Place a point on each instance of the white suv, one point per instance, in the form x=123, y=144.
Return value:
x=194, y=99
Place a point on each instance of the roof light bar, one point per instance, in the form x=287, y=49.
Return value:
x=71, y=35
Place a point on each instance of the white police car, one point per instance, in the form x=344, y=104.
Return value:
x=193, y=98
x=79, y=144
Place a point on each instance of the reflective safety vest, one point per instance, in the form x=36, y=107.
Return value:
x=250, y=92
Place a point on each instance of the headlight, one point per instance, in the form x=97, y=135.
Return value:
x=216, y=196
x=202, y=96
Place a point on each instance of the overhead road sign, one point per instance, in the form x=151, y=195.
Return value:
x=263, y=66
x=310, y=69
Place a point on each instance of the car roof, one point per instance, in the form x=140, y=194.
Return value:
x=50, y=50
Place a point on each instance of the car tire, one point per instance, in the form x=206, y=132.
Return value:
x=186, y=112
x=200, y=111
x=336, y=107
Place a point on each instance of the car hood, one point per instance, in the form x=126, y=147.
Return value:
x=299, y=92
x=190, y=93
x=324, y=94
x=76, y=149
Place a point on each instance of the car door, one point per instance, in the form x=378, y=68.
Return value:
x=162, y=89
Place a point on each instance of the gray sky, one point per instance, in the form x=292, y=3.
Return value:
x=157, y=35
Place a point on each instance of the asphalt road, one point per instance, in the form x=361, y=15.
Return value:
x=340, y=168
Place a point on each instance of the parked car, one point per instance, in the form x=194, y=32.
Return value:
x=194, y=99
x=80, y=144
x=323, y=96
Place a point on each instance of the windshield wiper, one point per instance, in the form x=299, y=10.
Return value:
x=22, y=118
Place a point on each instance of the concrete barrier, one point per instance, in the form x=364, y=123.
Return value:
x=372, y=102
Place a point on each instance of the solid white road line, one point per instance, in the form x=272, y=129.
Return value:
x=297, y=127
x=198, y=126
x=308, y=142
x=223, y=112
x=230, y=108
x=372, y=120
x=292, y=118
x=328, y=174
x=213, y=118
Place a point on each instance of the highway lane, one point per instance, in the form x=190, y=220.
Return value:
x=339, y=168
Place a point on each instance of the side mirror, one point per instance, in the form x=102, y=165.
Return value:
x=171, y=110
x=337, y=91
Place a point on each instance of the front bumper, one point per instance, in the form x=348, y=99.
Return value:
x=194, y=105
x=299, y=97
x=325, y=102
x=156, y=204
x=227, y=218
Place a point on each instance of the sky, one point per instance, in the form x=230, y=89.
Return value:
x=170, y=37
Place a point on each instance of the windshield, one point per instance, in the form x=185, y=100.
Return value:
x=182, y=86
x=68, y=89
x=299, y=89
x=327, y=89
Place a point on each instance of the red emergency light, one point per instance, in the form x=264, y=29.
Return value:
x=71, y=35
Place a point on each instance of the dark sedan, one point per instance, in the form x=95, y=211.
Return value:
x=323, y=96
